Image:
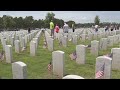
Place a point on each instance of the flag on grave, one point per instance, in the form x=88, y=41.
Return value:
x=60, y=42
x=50, y=66
x=100, y=73
x=73, y=56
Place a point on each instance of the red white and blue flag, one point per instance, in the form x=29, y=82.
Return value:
x=73, y=56
x=50, y=66
x=100, y=73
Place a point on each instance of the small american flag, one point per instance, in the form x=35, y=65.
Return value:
x=45, y=44
x=73, y=56
x=100, y=73
x=50, y=66
x=60, y=43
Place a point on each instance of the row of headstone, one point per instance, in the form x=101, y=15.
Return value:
x=103, y=43
x=50, y=41
x=8, y=49
x=103, y=66
x=34, y=44
x=84, y=36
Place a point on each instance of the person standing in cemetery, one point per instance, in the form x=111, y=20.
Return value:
x=112, y=27
x=28, y=30
x=57, y=30
x=52, y=28
x=96, y=28
x=65, y=28
x=73, y=27
x=106, y=28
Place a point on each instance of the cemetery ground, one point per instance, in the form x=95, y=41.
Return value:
x=37, y=65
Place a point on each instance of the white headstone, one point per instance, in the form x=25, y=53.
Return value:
x=17, y=46
x=95, y=36
x=19, y=70
x=32, y=48
x=36, y=40
x=103, y=63
x=83, y=37
x=90, y=36
x=116, y=58
x=116, y=39
x=64, y=41
x=81, y=54
x=12, y=41
x=26, y=39
x=23, y=42
x=16, y=37
x=58, y=63
x=8, y=53
x=4, y=43
x=50, y=44
x=74, y=39
x=94, y=47
x=103, y=43
x=110, y=41
x=69, y=37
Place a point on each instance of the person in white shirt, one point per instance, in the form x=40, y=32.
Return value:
x=96, y=28
x=65, y=28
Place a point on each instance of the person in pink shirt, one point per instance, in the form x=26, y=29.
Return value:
x=57, y=30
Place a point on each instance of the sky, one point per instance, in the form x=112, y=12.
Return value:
x=77, y=16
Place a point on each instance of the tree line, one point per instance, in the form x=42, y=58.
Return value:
x=9, y=23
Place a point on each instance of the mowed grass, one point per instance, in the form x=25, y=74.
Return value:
x=37, y=65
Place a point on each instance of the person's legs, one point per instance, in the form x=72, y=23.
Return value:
x=51, y=32
x=73, y=30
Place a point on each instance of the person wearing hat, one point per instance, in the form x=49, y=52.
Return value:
x=52, y=28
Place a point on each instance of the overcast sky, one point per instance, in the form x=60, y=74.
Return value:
x=77, y=16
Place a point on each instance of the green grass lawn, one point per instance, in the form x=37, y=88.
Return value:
x=37, y=65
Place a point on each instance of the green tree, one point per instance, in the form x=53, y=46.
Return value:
x=50, y=16
x=97, y=20
x=1, y=23
x=28, y=21
x=19, y=23
x=70, y=23
x=8, y=22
